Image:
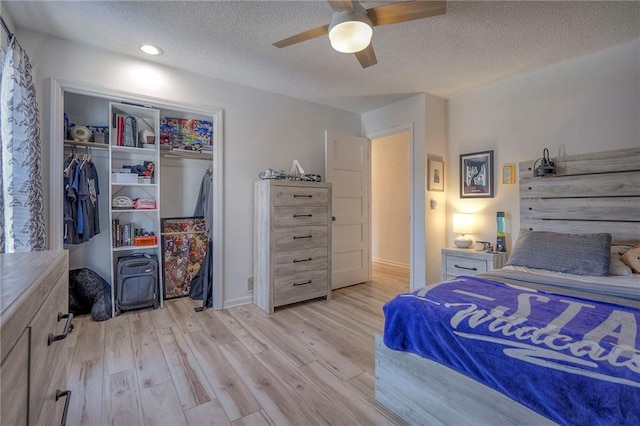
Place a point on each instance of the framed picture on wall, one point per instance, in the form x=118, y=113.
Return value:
x=508, y=174
x=476, y=175
x=435, y=175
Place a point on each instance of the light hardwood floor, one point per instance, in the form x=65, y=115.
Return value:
x=309, y=363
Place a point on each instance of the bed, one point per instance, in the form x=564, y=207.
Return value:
x=438, y=369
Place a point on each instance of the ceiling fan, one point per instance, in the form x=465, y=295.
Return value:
x=351, y=26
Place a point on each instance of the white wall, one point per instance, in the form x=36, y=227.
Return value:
x=585, y=105
x=261, y=129
x=425, y=116
x=390, y=192
x=436, y=217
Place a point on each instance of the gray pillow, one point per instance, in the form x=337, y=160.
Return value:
x=579, y=254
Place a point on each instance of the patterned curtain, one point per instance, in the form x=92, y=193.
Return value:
x=22, y=210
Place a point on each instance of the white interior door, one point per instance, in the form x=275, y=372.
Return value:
x=347, y=168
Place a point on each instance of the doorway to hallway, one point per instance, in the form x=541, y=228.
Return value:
x=390, y=200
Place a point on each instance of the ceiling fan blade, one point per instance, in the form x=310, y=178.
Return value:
x=394, y=13
x=341, y=5
x=367, y=57
x=303, y=36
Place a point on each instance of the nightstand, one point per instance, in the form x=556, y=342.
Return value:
x=469, y=262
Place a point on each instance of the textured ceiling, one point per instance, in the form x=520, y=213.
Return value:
x=474, y=43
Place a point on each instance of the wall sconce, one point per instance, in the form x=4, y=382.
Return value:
x=463, y=223
x=546, y=166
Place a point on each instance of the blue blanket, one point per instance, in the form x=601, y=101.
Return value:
x=575, y=361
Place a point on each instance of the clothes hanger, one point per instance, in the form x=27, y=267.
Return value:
x=73, y=157
x=84, y=156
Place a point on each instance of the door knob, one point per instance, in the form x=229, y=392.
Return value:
x=333, y=218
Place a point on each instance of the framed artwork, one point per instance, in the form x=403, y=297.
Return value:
x=435, y=175
x=508, y=174
x=184, y=245
x=476, y=175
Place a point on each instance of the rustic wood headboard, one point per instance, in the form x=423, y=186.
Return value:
x=598, y=192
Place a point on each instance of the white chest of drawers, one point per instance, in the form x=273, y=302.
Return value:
x=292, y=242
x=469, y=262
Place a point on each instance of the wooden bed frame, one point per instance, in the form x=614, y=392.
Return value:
x=597, y=192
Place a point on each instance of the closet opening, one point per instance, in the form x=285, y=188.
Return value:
x=184, y=184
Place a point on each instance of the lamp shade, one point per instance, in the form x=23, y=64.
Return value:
x=463, y=223
x=350, y=32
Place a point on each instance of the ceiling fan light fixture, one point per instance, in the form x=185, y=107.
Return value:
x=151, y=49
x=350, y=32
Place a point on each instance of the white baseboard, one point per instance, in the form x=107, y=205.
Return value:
x=238, y=301
x=391, y=263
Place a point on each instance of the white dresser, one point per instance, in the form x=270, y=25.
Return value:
x=292, y=242
x=33, y=306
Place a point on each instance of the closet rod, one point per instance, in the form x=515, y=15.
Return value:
x=96, y=145
x=6, y=29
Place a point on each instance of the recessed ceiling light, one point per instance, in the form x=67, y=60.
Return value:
x=151, y=50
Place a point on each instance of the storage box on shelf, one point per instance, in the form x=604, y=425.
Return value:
x=121, y=177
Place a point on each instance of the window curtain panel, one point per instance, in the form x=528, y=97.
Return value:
x=22, y=226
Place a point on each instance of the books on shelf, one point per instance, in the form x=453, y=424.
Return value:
x=125, y=128
x=129, y=235
x=119, y=128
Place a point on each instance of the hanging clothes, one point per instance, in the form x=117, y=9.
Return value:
x=203, y=202
x=70, y=201
x=22, y=207
x=82, y=216
x=202, y=283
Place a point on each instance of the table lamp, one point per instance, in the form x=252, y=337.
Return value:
x=463, y=223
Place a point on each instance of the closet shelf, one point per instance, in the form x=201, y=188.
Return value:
x=118, y=211
x=125, y=248
x=86, y=144
x=130, y=149
x=186, y=154
x=148, y=185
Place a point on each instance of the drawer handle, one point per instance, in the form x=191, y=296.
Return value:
x=60, y=394
x=301, y=260
x=295, y=237
x=464, y=267
x=304, y=283
x=67, y=328
x=302, y=215
x=302, y=196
